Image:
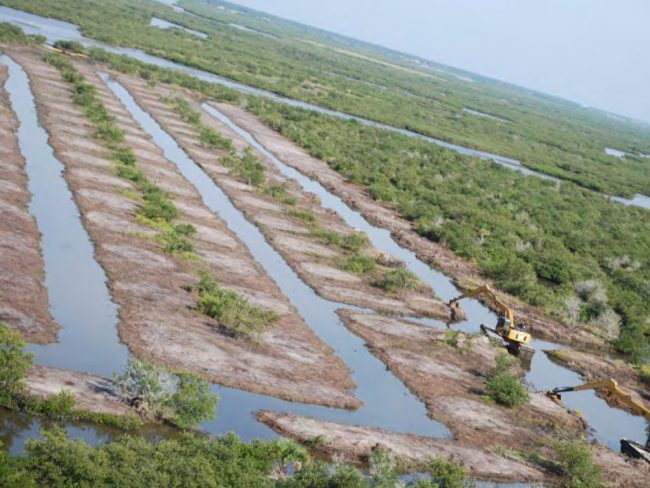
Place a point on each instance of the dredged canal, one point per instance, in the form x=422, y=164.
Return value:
x=391, y=406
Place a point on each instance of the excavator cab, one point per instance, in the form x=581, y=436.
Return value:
x=514, y=337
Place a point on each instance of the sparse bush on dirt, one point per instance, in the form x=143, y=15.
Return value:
x=304, y=215
x=72, y=46
x=360, y=264
x=207, y=135
x=279, y=193
x=248, y=168
x=232, y=310
x=355, y=241
x=577, y=465
x=503, y=386
x=398, y=280
x=179, y=398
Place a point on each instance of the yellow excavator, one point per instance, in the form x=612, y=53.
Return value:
x=513, y=336
x=612, y=392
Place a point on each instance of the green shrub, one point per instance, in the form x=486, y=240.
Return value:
x=14, y=364
x=232, y=310
x=157, y=205
x=577, y=466
x=503, y=386
x=249, y=169
x=360, y=264
x=355, y=241
x=179, y=398
x=73, y=46
x=12, y=34
x=305, y=216
x=331, y=238
x=447, y=473
x=61, y=405
x=279, y=193
x=190, y=460
x=398, y=280
x=212, y=139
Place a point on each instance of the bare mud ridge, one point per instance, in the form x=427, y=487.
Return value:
x=450, y=377
x=296, y=228
x=154, y=288
x=23, y=296
x=354, y=444
x=448, y=374
x=92, y=393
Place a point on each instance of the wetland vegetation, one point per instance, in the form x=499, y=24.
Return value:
x=539, y=240
x=547, y=134
x=557, y=246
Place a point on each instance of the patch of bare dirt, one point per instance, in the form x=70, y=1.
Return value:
x=91, y=392
x=153, y=289
x=291, y=235
x=464, y=273
x=448, y=373
x=23, y=297
x=354, y=444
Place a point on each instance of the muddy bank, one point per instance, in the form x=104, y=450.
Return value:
x=353, y=444
x=154, y=288
x=294, y=229
x=449, y=376
x=448, y=373
x=92, y=393
x=463, y=272
x=23, y=297
x=592, y=368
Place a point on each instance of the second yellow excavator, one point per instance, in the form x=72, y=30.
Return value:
x=515, y=337
x=612, y=392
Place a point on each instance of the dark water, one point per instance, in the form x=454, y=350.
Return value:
x=56, y=30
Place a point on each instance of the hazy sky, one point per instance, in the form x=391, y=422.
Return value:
x=594, y=52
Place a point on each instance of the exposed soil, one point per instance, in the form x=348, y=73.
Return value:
x=450, y=379
x=157, y=319
x=23, y=296
x=317, y=263
x=593, y=368
x=465, y=274
x=353, y=444
x=92, y=393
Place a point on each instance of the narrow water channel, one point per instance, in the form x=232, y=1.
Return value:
x=78, y=295
x=55, y=30
x=609, y=424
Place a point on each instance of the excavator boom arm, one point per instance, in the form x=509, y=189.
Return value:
x=486, y=291
x=610, y=387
